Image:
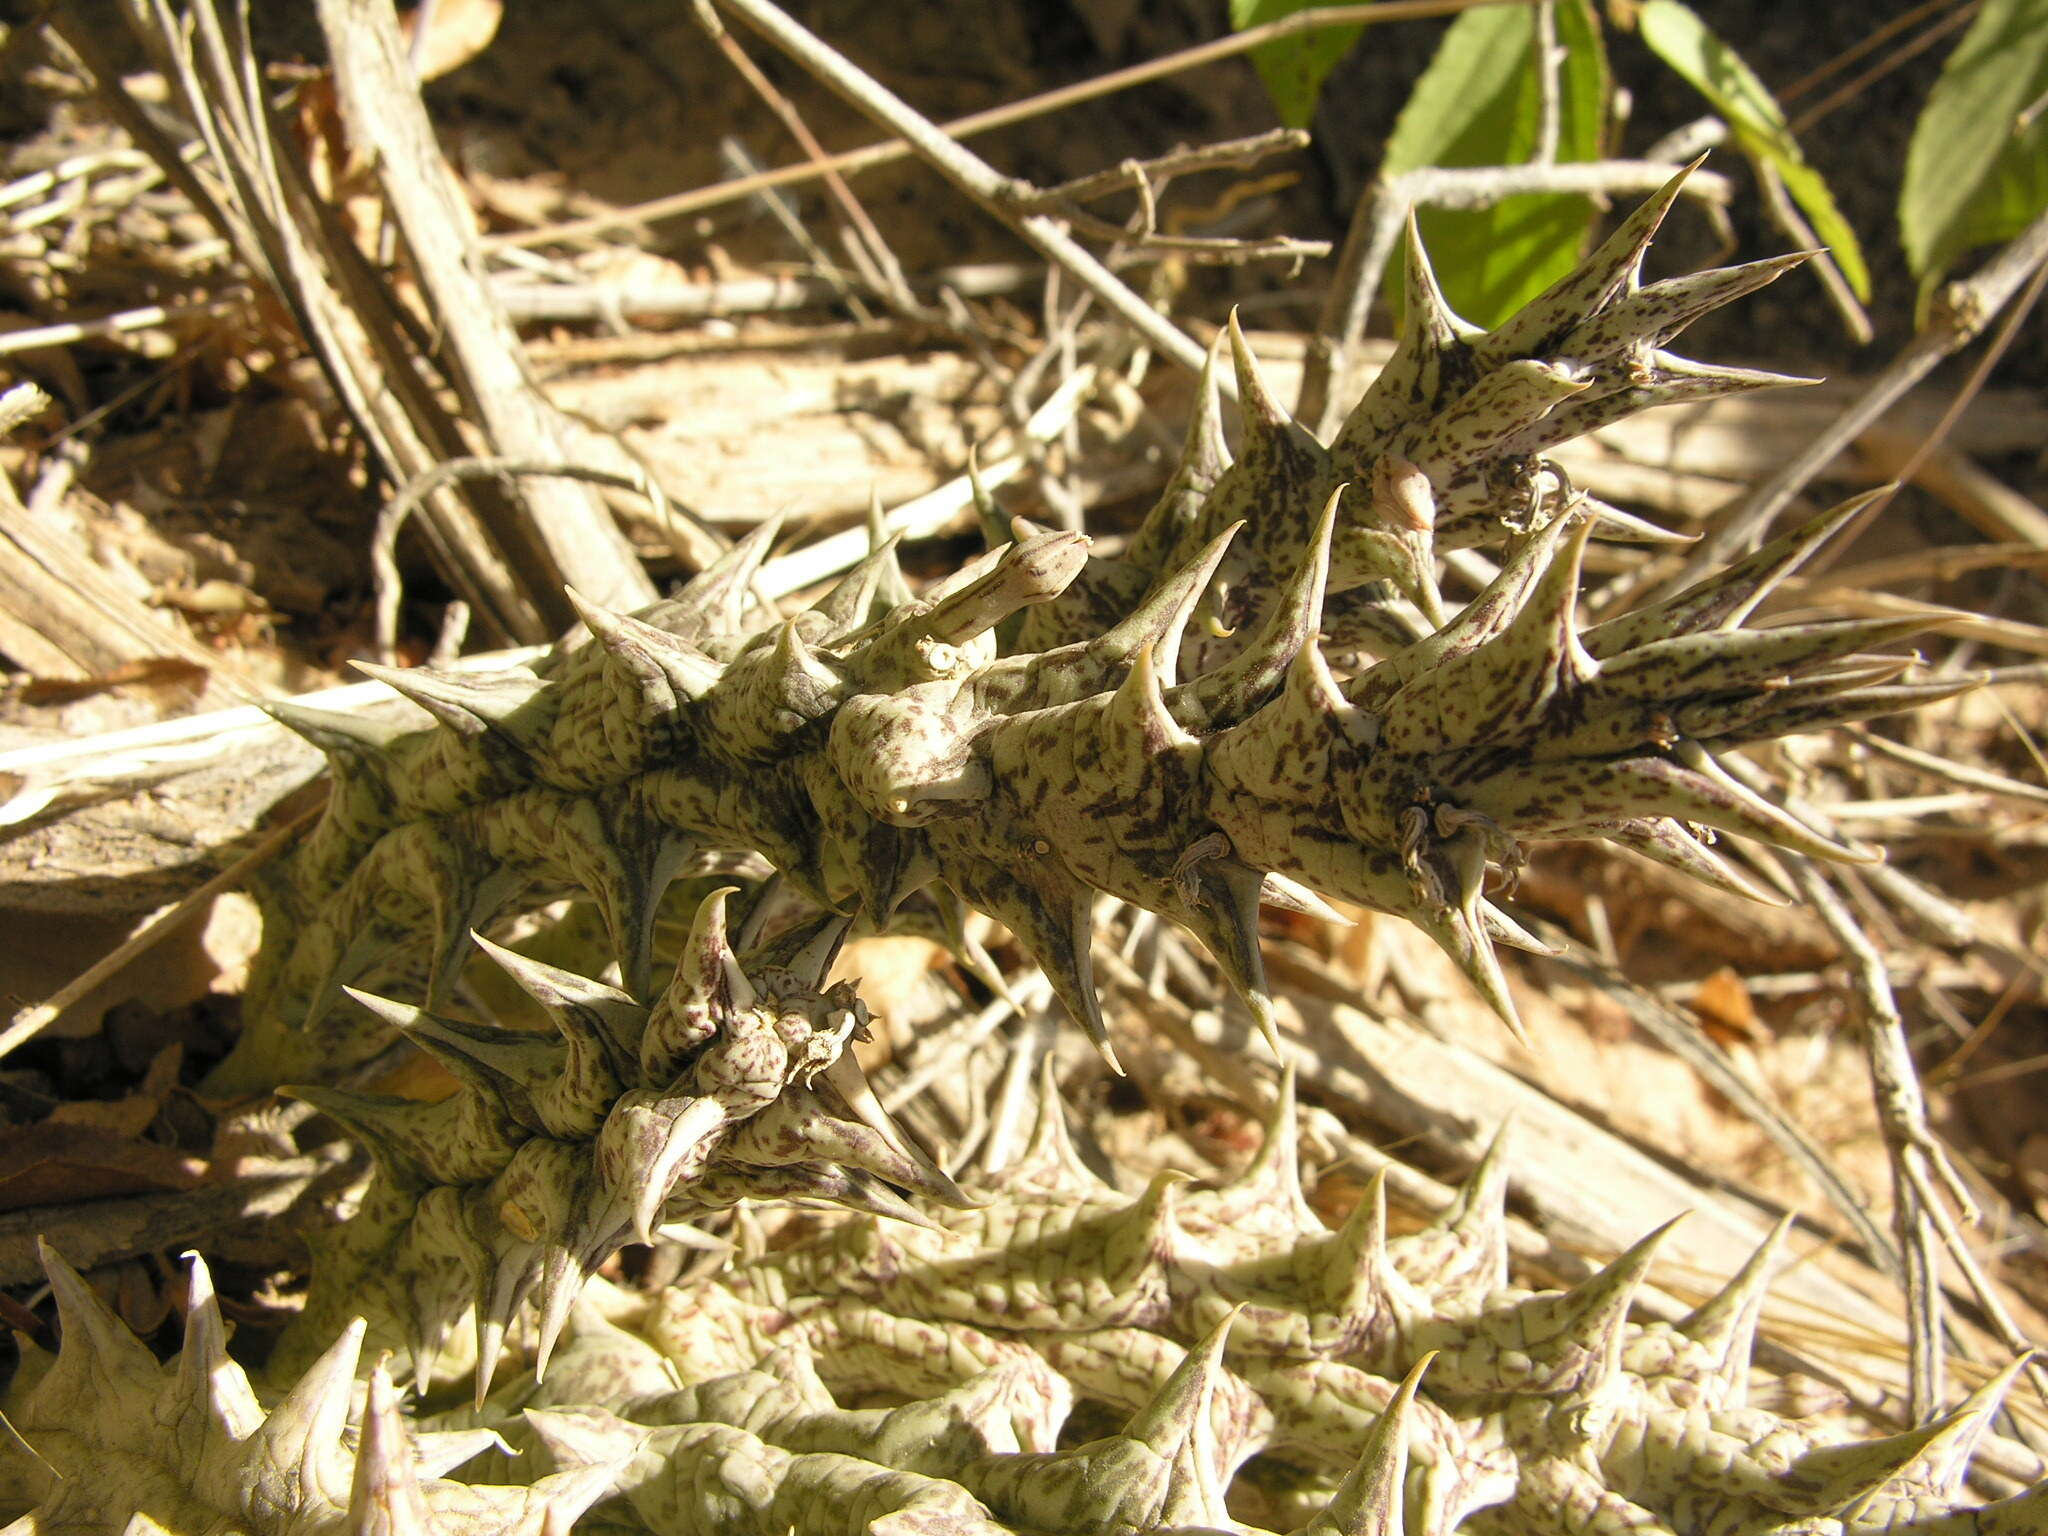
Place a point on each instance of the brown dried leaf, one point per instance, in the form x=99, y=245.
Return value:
x=125, y=1118
x=155, y=671
x=55, y=1163
x=128, y=1117
x=139, y=1298
x=15, y=1316
x=1725, y=1010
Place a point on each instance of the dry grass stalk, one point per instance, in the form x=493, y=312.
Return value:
x=555, y=530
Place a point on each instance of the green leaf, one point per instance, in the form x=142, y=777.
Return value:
x=1977, y=171
x=1293, y=68
x=1480, y=103
x=1677, y=36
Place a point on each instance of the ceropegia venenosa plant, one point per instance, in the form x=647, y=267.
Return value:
x=1264, y=698
x=1253, y=1357
x=1244, y=1367
x=1231, y=713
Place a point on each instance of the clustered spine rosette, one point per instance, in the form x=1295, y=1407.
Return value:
x=1233, y=713
x=559, y=1149
x=105, y=1439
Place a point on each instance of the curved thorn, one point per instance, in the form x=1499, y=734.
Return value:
x=1369, y=1502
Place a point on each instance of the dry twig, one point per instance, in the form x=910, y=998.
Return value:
x=996, y=194
x=560, y=533
x=1232, y=44
x=527, y=300
x=263, y=206
x=1961, y=313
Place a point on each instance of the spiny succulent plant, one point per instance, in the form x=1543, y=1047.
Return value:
x=771, y=1451
x=558, y=1150
x=1254, y=1368
x=1445, y=450
x=107, y=1439
x=880, y=754
x=1265, y=1371
x=1548, y=1412
x=1263, y=698
x=112, y=1441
